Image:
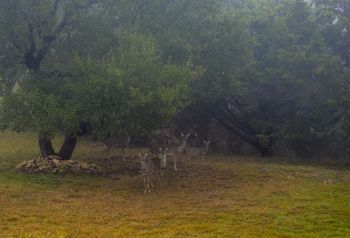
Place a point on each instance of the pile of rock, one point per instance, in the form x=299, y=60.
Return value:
x=54, y=164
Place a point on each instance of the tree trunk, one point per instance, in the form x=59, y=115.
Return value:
x=265, y=148
x=270, y=147
x=68, y=146
x=45, y=146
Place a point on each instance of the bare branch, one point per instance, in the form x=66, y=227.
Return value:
x=87, y=5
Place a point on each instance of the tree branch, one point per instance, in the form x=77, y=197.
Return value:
x=15, y=43
x=87, y=5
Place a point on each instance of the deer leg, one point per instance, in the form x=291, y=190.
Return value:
x=103, y=155
x=149, y=183
x=145, y=183
x=110, y=155
x=107, y=154
x=158, y=177
x=175, y=167
x=123, y=154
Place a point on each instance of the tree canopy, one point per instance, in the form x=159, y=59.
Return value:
x=265, y=70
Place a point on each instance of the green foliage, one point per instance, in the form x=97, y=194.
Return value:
x=268, y=69
x=131, y=90
x=286, y=84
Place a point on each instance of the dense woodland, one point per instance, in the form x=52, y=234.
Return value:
x=267, y=76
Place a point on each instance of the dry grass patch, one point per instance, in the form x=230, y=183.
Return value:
x=221, y=197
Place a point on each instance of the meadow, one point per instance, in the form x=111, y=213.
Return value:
x=223, y=196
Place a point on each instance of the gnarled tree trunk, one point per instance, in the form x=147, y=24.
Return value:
x=45, y=146
x=68, y=146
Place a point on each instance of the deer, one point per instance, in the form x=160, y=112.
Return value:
x=116, y=143
x=152, y=166
x=199, y=151
x=162, y=160
x=156, y=146
x=146, y=171
x=179, y=149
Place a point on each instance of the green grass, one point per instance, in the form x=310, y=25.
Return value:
x=221, y=197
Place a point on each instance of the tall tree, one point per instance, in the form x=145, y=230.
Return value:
x=70, y=61
x=279, y=85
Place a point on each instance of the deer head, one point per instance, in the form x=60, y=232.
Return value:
x=207, y=142
x=184, y=141
x=142, y=158
x=185, y=136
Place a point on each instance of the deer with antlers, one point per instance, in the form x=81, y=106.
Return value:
x=177, y=150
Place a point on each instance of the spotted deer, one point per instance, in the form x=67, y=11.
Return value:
x=111, y=143
x=199, y=151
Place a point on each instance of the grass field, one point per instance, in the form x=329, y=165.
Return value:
x=221, y=197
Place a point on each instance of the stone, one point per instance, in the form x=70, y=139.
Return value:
x=54, y=164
